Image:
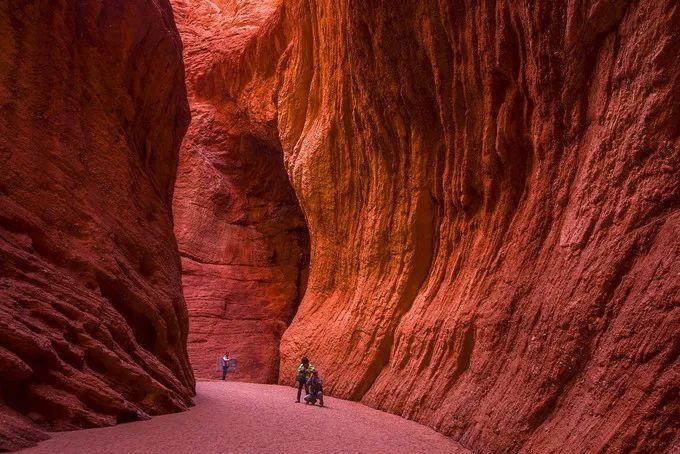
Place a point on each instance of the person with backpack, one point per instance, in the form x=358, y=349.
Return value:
x=315, y=386
x=304, y=373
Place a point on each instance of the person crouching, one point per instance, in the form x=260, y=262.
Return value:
x=315, y=386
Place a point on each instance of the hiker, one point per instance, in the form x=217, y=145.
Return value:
x=315, y=385
x=304, y=372
x=223, y=363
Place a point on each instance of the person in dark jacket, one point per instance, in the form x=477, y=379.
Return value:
x=315, y=386
x=304, y=372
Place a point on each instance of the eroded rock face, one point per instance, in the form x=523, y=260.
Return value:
x=241, y=233
x=93, y=324
x=491, y=190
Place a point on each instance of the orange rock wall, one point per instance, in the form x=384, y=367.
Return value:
x=240, y=230
x=491, y=190
x=93, y=324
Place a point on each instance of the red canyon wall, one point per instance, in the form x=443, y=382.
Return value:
x=240, y=230
x=93, y=324
x=491, y=190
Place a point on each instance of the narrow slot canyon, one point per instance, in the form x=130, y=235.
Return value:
x=467, y=214
x=241, y=233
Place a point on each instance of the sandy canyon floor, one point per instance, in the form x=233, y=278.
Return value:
x=253, y=418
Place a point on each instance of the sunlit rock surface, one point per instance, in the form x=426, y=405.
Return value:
x=491, y=190
x=241, y=233
x=93, y=324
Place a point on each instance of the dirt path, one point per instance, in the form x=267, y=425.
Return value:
x=251, y=418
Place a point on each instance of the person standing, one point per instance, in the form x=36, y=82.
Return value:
x=223, y=363
x=315, y=387
x=304, y=372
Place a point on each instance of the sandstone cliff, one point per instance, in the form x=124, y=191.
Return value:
x=491, y=190
x=93, y=324
x=240, y=230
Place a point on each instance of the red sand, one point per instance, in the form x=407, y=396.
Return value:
x=246, y=417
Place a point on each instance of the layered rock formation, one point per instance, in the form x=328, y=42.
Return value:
x=491, y=190
x=93, y=324
x=240, y=230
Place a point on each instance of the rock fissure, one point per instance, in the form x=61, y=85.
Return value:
x=241, y=234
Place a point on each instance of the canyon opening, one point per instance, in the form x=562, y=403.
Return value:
x=241, y=233
x=464, y=213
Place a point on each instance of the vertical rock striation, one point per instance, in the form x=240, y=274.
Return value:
x=93, y=324
x=492, y=195
x=241, y=233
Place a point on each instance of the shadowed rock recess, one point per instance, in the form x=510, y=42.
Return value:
x=240, y=230
x=93, y=324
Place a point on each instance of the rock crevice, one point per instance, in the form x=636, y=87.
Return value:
x=241, y=234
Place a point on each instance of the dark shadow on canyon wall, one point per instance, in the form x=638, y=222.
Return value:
x=241, y=233
x=93, y=324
